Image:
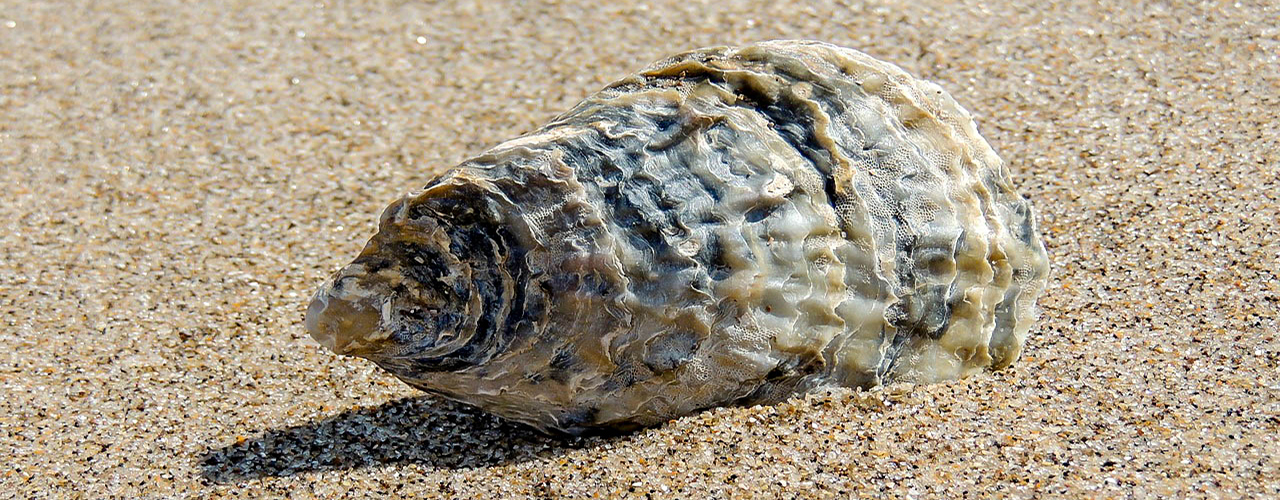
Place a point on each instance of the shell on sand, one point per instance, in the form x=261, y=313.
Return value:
x=730, y=225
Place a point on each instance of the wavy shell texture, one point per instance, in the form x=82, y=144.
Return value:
x=730, y=225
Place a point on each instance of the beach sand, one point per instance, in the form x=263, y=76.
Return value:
x=179, y=179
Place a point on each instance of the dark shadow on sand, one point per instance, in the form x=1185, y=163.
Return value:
x=418, y=430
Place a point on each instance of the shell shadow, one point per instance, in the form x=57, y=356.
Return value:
x=417, y=430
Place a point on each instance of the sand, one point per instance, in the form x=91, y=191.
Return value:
x=180, y=178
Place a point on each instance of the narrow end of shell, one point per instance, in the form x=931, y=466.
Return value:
x=342, y=323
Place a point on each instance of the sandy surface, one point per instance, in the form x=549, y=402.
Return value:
x=178, y=179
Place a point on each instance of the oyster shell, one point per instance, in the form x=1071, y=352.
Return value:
x=730, y=225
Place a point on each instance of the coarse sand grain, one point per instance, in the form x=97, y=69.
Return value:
x=180, y=177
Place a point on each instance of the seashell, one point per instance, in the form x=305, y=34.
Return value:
x=731, y=225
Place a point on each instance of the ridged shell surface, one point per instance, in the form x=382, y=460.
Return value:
x=730, y=225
